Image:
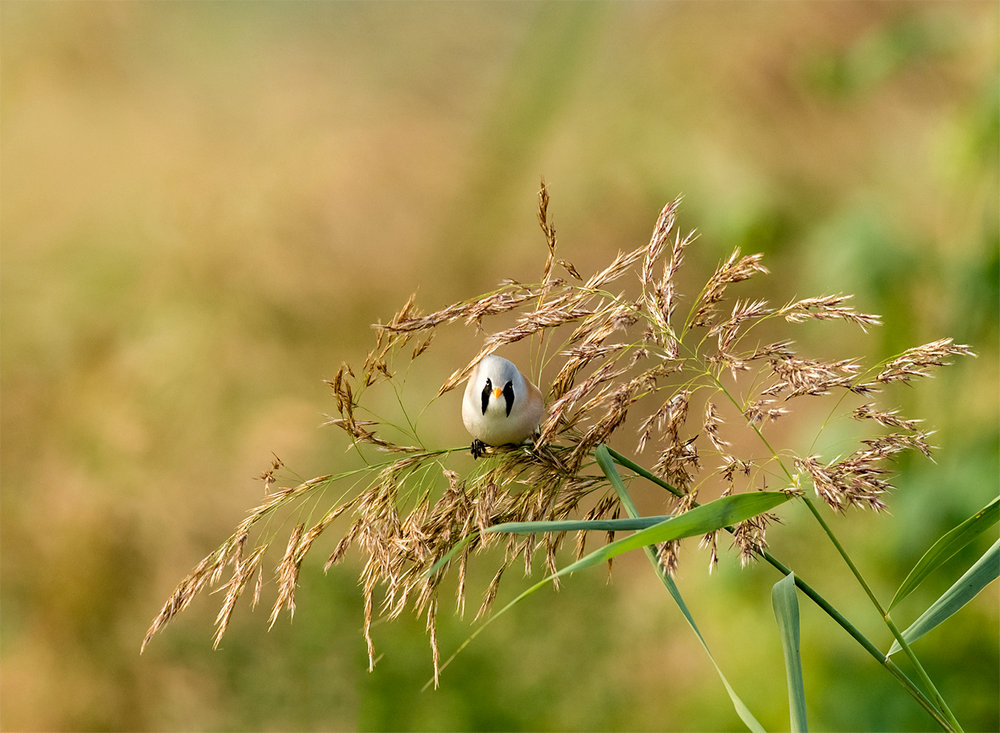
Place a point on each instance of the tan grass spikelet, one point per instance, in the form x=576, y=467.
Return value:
x=242, y=572
x=667, y=295
x=658, y=241
x=825, y=308
x=288, y=576
x=917, y=361
x=735, y=269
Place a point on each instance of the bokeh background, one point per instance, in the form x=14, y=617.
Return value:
x=205, y=205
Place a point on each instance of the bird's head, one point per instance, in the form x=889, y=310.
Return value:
x=499, y=383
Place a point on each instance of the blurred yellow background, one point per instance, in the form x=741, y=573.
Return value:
x=205, y=205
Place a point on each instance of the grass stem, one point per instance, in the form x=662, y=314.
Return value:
x=939, y=712
x=921, y=672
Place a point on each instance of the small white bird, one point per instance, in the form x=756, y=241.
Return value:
x=500, y=406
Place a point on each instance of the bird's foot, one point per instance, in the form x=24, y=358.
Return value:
x=478, y=448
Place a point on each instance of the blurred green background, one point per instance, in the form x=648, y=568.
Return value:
x=205, y=205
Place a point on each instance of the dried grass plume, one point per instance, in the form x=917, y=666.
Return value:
x=624, y=358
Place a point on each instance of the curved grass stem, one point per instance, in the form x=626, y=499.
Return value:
x=953, y=723
x=921, y=672
x=936, y=708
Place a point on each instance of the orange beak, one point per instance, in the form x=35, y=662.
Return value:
x=497, y=394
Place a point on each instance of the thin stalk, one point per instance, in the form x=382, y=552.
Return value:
x=865, y=643
x=943, y=717
x=921, y=672
x=663, y=574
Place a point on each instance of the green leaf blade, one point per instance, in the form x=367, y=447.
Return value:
x=574, y=525
x=946, y=547
x=607, y=464
x=718, y=514
x=786, y=610
x=983, y=572
x=738, y=705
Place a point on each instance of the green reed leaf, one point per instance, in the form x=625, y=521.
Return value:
x=983, y=572
x=738, y=705
x=573, y=525
x=606, y=460
x=607, y=464
x=946, y=547
x=604, y=453
x=786, y=611
x=700, y=520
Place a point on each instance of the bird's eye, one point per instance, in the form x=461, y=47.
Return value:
x=487, y=391
x=508, y=395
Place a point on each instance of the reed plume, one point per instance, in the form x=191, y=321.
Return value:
x=624, y=360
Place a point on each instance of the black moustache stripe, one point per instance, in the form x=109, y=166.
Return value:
x=486, y=395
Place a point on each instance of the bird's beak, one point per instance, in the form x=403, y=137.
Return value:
x=497, y=394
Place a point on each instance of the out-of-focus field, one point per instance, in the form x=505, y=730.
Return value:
x=205, y=205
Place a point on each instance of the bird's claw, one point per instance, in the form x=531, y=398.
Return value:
x=478, y=448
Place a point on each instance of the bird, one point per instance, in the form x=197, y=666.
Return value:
x=500, y=405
